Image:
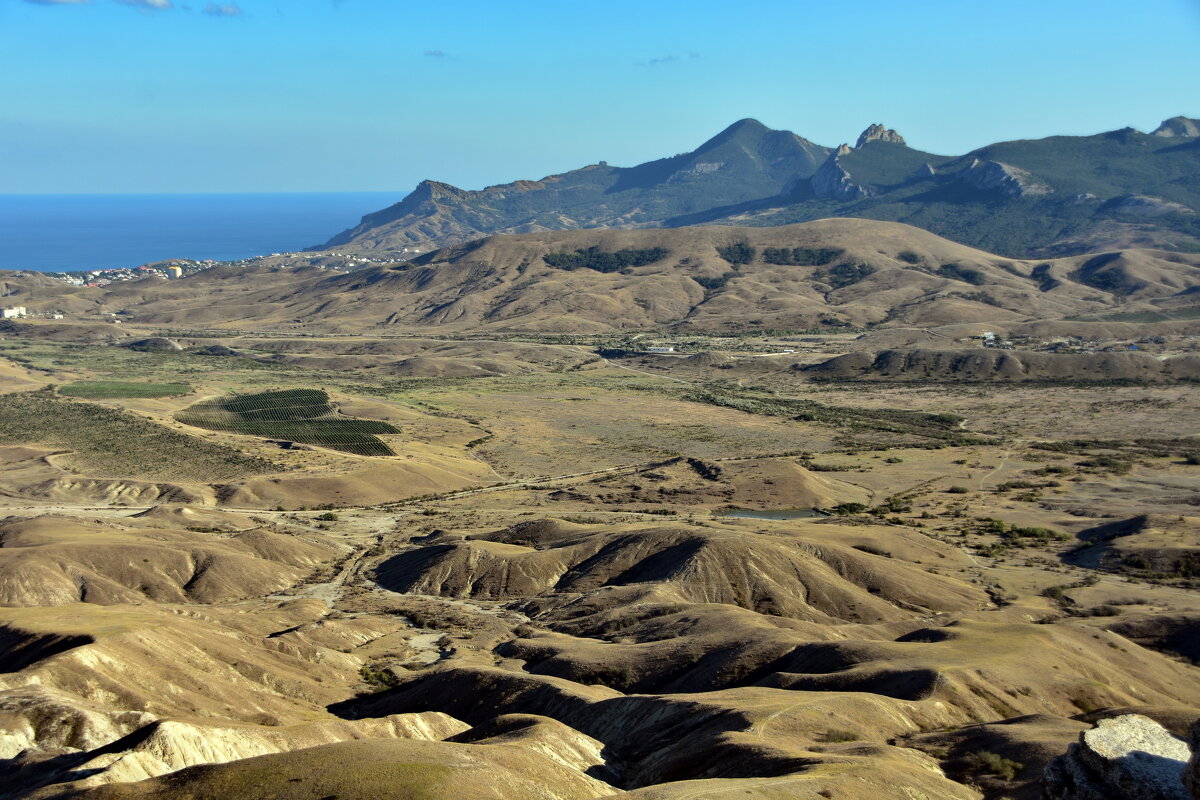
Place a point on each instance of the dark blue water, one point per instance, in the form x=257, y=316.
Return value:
x=54, y=233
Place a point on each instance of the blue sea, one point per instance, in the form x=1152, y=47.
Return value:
x=54, y=233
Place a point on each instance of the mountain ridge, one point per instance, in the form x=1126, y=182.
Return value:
x=1058, y=195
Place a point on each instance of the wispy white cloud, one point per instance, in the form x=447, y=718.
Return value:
x=223, y=10
x=149, y=5
x=670, y=58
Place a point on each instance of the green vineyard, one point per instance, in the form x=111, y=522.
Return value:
x=114, y=390
x=295, y=415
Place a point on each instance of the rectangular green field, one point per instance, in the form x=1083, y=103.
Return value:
x=117, y=390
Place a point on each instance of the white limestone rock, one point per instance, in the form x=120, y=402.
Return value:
x=1122, y=757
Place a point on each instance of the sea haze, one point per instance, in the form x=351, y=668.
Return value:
x=53, y=233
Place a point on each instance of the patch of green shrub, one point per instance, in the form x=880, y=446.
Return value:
x=983, y=761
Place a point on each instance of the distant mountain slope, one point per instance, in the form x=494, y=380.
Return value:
x=1061, y=195
x=744, y=162
x=831, y=273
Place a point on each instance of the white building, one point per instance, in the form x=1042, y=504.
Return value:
x=660, y=349
x=12, y=313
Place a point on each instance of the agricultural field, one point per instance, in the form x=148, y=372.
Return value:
x=297, y=415
x=117, y=390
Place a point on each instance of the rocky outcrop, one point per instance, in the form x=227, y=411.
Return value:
x=1179, y=126
x=832, y=180
x=1122, y=757
x=993, y=176
x=878, y=133
x=1147, y=206
x=1191, y=773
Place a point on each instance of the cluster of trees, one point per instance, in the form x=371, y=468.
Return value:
x=1046, y=281
x=957, y=272
x=845, y=274
x=800, y=256
x=740, y=253
x=601, y=261
x=737, y=254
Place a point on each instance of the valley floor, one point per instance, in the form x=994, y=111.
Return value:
x=541, y=593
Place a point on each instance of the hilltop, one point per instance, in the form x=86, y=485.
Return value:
x=1060, y=195
x=832, y=274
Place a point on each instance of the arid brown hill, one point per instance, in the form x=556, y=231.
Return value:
x=829, y=272
x=1004, y=365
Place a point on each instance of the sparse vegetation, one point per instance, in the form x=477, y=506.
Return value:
x=108, y=443
x=983, y=761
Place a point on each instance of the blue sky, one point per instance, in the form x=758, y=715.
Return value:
x=357, y=95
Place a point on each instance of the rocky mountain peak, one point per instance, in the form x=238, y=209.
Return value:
x=1178, y=126
x=743, y=131
x=878, y=133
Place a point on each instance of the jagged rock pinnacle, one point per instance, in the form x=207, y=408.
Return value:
x=878, y=133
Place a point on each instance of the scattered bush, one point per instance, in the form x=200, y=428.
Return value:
x=993, y=764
